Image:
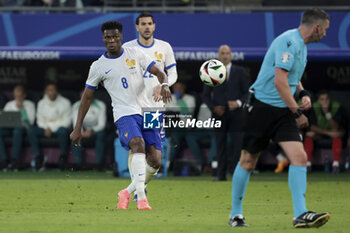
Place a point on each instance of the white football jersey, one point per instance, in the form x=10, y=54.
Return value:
x=122, y=76
x=161, y=52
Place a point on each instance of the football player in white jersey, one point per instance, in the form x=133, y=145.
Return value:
x=120, y=71
x=163, y=54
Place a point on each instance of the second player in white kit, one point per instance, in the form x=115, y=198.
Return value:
x=162, y=53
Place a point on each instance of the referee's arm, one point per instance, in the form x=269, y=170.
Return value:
x=282, y=86
x=305, y=100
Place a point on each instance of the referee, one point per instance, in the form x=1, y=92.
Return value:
x=272, y=113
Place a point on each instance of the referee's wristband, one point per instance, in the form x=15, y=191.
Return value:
x=303, y=93
x=298, y=113
x=164, y=84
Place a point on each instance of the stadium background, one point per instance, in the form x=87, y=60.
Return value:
x=42, y=43
x=85, y=201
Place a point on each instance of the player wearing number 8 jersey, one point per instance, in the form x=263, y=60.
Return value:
x=121, y=76
x=120, y=71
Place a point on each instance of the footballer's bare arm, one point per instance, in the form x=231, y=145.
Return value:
x=163, y=80
x=85, y=102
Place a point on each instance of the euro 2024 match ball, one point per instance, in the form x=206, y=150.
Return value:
x=212, y=73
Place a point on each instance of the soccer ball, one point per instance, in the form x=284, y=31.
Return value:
x=212, y=73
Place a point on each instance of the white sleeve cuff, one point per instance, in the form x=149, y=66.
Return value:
x=239, y=102
x=172, y=75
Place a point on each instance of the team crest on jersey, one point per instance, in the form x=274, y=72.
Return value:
x=131, y=63
x=285, y=57
x=158, y=56
x=126, y=135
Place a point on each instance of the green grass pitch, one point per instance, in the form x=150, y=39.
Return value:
x=69, y=202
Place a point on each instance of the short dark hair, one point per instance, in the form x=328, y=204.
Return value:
x=322, y=92
x=48, y=83
x=110, y=25
x=311, y=16
x=144, y=15
x=183, y=84
x=22, y=87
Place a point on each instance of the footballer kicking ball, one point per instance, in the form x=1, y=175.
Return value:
x=212, y=73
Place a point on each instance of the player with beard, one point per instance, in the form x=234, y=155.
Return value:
x=271, y=112
x=163, y=54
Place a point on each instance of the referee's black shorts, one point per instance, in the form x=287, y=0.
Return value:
x=265, y=122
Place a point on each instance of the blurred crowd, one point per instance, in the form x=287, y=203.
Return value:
x=153, y=3
x=53, y=116
x=53, y=3
x=82, y=3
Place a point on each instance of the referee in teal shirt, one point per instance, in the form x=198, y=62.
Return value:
x=271, y=112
